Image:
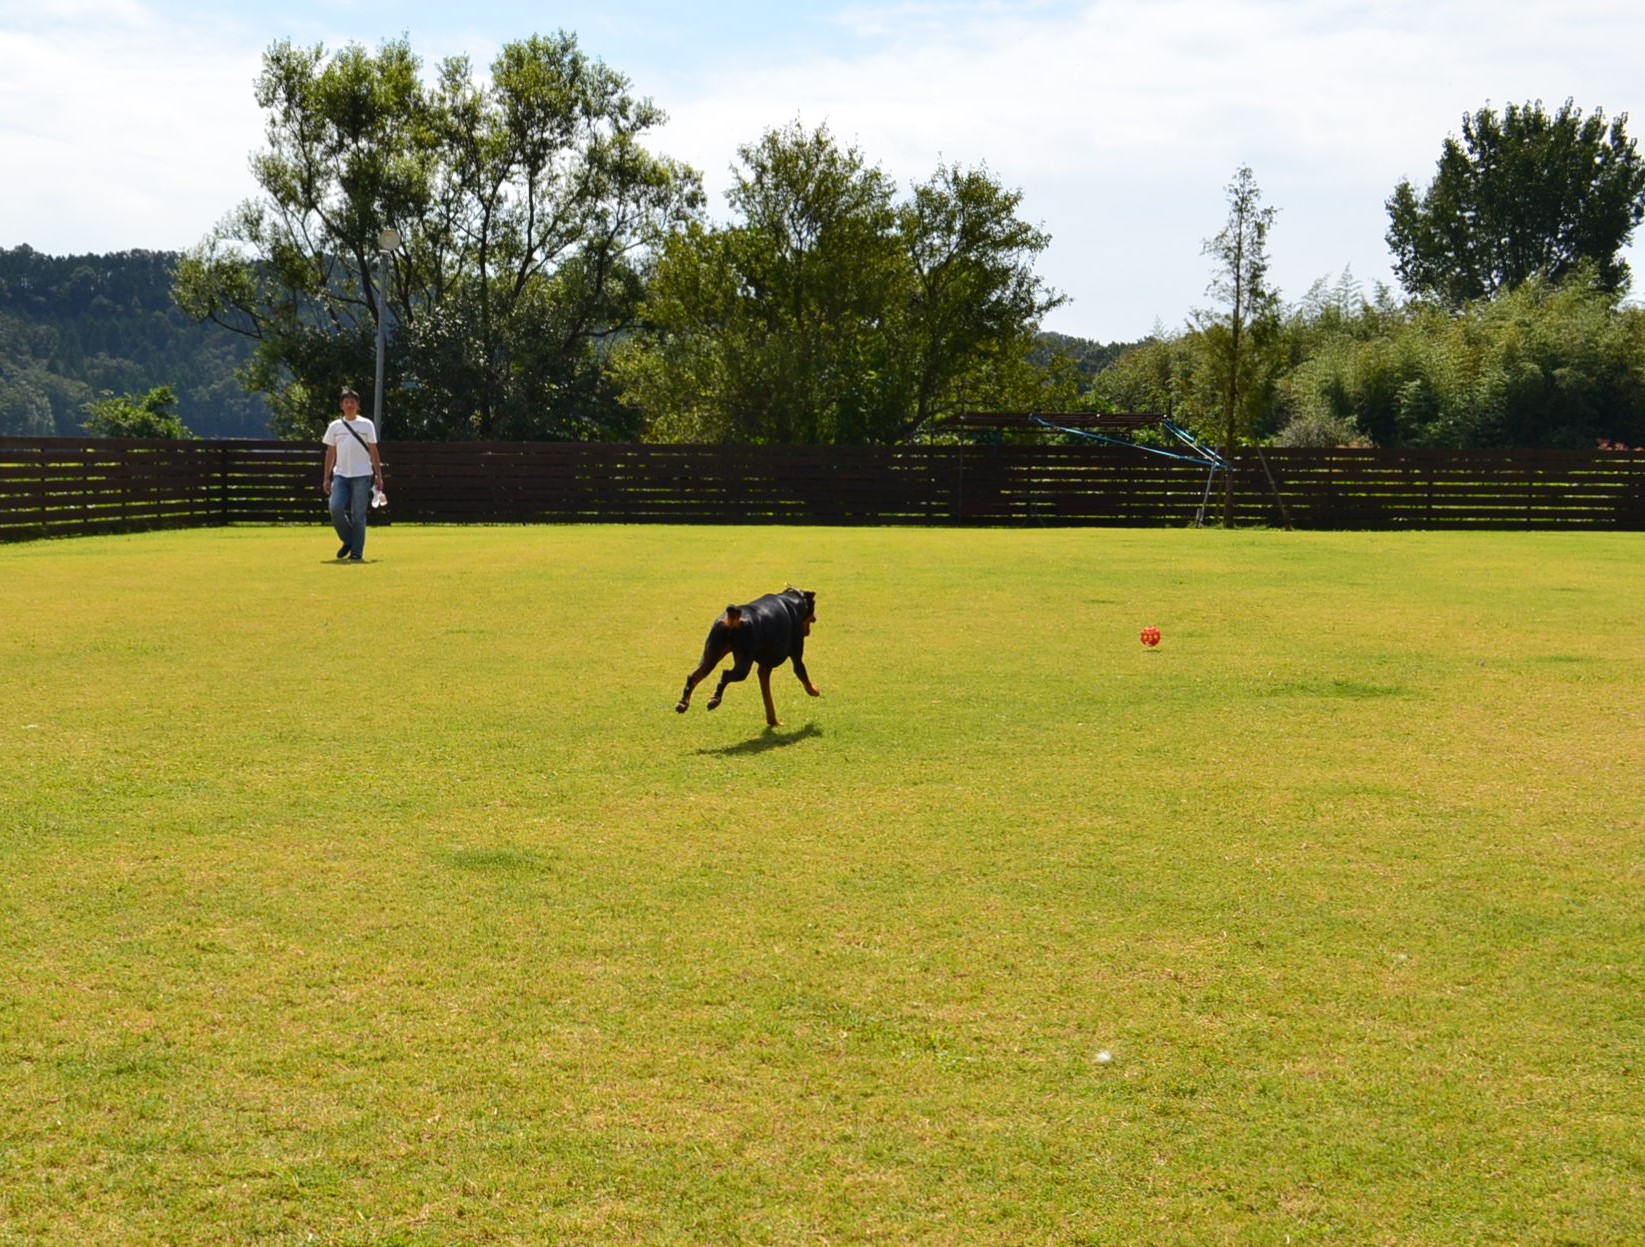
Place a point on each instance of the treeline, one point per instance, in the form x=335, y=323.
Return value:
x=78, y=333
x=77, y=329
x=538, y=273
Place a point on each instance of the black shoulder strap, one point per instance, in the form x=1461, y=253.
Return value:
x=349, y=425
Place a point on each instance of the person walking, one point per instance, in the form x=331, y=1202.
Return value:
x=352, y=471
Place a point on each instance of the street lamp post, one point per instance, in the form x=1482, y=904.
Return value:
x=387, y=242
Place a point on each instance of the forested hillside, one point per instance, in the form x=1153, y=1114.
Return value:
x=74, y=328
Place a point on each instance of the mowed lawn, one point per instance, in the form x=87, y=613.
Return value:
x=394, y=904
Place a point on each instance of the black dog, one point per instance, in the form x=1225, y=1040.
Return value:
x=769, y=631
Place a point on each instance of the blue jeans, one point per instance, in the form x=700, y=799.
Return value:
x=350, y=500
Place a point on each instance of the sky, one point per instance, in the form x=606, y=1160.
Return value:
x=130, y=123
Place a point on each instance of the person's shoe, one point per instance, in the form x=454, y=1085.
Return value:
x=356, y=558
x=342, y=550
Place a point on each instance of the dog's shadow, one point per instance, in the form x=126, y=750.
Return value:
x=771, y=738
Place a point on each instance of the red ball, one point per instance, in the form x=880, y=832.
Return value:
x=1150, y=636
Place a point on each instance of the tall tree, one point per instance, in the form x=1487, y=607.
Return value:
x=832, y=312
x=976, y=301
x=1522, y=194
x=1248, y=310
x=527, y=207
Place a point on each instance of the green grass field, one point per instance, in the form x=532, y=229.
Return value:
x=393, y=904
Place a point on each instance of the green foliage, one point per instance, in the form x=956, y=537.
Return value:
x=1345, y=876
x=527, y=207
x=835, y=313
x=152, y=415
x=74, y=327
x=1522, y=195
x=1547, y=364
x=28, y=386
x=1087, y=357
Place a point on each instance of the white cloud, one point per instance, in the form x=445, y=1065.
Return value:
x=127, y=132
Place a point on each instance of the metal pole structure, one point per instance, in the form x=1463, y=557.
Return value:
x=387, y=241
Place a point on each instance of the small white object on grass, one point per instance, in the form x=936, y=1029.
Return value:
x=1104, y=1057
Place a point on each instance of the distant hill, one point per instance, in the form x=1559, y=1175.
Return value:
x=1089, y=357
x=73, y=328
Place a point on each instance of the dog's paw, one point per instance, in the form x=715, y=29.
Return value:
x=713, y=703
x=813, y=690
x=682, y=707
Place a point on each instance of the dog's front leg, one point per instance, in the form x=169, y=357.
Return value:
x=765, y=692
x=805, y=679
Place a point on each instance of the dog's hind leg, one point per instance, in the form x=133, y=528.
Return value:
x=711, y=659
x=738, y=671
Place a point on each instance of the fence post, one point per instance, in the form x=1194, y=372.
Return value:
x=1274, y=485
x=40, y=489
x=1632, y=513
x=222, y=485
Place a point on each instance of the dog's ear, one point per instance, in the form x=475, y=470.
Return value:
x=732, y=614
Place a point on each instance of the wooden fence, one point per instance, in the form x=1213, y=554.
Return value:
x=66, y=486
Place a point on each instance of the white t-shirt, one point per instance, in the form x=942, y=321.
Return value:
x=353, y=459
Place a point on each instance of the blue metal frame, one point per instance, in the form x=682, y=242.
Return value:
x=1203, y=455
